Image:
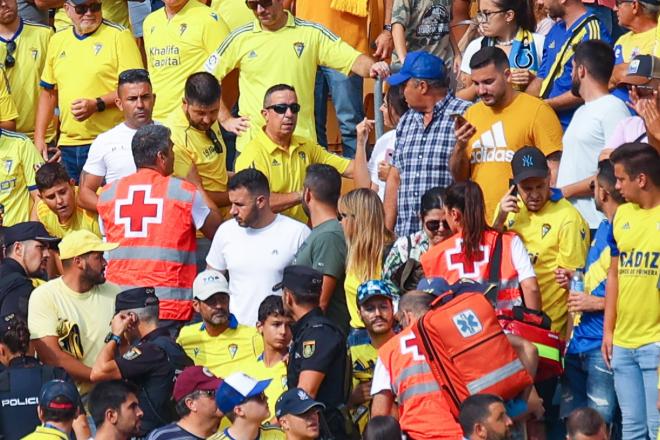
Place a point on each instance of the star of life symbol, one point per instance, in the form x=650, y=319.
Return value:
x=138, y=210
x=467, y=323
x=467, y=269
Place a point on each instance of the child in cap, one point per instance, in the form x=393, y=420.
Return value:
x=298, y=415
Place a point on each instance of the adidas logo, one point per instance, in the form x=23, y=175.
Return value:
x=626, y=226
x=275, y=163
x=491, y=146
x=252, y=54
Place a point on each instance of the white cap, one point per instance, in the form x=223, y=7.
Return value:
x=208, y=283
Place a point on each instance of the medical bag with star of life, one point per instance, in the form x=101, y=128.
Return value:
x=466, y=347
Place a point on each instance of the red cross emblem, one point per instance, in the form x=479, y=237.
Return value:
x=138, y=210
x=409, y=346
x=466, y=269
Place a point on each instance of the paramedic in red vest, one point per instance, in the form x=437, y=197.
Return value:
x=155, y=216
x=402, y=374
x=467, y=254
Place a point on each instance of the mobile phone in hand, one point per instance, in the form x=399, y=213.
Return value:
x=459, y=120
x=514, y=193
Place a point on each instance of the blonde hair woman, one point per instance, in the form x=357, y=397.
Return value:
x=367, y=240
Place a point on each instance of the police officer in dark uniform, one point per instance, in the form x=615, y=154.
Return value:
x=26, y=255
x=21, y=380
x=152, y=361
x=319, y=361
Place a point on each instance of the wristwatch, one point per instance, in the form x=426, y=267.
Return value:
x=100, y=105
x=387, y=27
x=112, y=337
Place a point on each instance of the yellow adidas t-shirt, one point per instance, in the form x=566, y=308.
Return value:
x=502, y=132
x=88, y=67
x=223, y=354
x=178, y=47
x=630, y=45
x=556, y=236
x=234, y=13
x=54, y=306
x=80, y=219
x=289, y=55
x=19, y=161
x=31, y=44
x=257, y=369
x=115, y=11
x=636, y=244
x=286, y=170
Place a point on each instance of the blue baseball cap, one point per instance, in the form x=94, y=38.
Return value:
x=421, y=65
x=58, y=394
x=236, y=389
x=295, y=401
x=372, y=288
x=435, y=286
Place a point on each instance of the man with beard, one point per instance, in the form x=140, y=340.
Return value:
x=255, y=246
x=219, y=343
x=375, y=302
x=115, y=409
x=592, y=125
x=483, y=417
x=501, y=123
x=68, y=317
x=26, y=256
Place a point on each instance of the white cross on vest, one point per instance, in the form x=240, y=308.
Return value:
x=138, y=210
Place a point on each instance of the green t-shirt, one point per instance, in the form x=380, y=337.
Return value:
x=325, y=251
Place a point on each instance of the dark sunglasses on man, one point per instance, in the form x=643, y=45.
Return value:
x=434, y=225
x=82, y=9
x=280, y=109
x=254, y=4
x=217, y=145
x=10, y=61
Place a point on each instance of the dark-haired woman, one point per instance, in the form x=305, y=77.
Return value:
x=509, y=25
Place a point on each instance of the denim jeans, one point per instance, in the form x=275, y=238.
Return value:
x=74, y=158
x=346, y=94
x=636, y=384
x=587, y=382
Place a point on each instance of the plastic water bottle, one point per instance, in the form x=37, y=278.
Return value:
x=577, y=281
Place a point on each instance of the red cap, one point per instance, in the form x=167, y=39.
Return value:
x=194, y=379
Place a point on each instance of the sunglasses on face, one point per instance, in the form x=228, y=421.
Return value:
x=280, y=109
x=10, y=61
x=434, y=225
x=82, y=9
x=217, y=145
x=208, y=393
x=255, y=4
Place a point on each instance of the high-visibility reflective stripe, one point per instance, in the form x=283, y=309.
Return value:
x=412, y=370
x=512, y=283
x=108, y=193
x=419, y=389
x=152, y=253
x=494, y=377
x=176, y=191
x=165, y=293
x=548, y=352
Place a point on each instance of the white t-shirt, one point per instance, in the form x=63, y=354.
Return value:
x=475, y=45
x=593, y=123
x=384, y=143
x=110, y=154
x=520, y=259
x=255, y=260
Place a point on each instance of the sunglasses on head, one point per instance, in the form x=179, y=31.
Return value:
x=10, y=61
x=434, y=225
x=217, y=145
x=280, y=109
x=82, y=9
x=255, y=4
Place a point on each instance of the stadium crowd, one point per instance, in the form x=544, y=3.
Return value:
x=209, y=231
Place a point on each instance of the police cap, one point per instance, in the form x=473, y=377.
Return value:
x=301, y=280
x=136, y=299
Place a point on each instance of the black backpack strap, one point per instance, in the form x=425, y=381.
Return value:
x=495, y=269
x=640, y=137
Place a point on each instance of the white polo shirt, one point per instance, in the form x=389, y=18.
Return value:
x=110, y=154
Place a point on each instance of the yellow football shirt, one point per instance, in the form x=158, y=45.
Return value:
x=8, y=110
x=265, y=433
x=257, y=369
x=192, y=146
x=289, y=55
x=31, y=44
x=45, y=433
x=502, y=132
x=177, y=48
x=88, y=67
x=223, y=354
x=115, y=11
x=234, y=13
x=19, y=161
x=364, y=356
x=636, y=243
x=80, y=219
x=630, y=45
x=556, y=236
x=286, y=170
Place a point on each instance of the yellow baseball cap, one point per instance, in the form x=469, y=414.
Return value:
x=82, y=241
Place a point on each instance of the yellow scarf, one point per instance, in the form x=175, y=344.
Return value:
x=354, y=7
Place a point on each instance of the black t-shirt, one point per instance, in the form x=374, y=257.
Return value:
x=319, y=345
x=15, y=289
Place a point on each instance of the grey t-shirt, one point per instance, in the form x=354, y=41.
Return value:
x=325, y=251
x=29, y=12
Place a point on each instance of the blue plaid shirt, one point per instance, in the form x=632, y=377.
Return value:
x=422, y=155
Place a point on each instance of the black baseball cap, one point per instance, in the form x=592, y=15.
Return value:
x=529, y=162
x=641, y=70
x=300, y=279
x=6, y=323
x=135, y=299
x=295, y=401
x=28, y=231
x=59, y=394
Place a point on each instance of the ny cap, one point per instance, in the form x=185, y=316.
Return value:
x=193, y=379
x=435, y=286
x=135, y=299
x=301, y=280
x=28, y=231
x=420, y=65
x=371, y=289
x=295, y=401
x=58, y=394
x=236, y=389
x=209, y=282
x=641, y=70
x=82, y=241
x=529, y=162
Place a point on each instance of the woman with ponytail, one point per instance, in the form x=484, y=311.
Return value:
x=509, y=25
x=468, y=253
